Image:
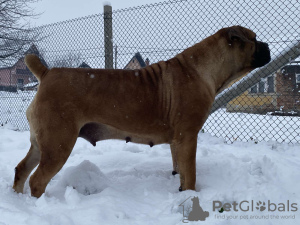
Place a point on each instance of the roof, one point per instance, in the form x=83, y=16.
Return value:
x=84, y=65
x=291, y=69
x=32, y=50
x=139, y=58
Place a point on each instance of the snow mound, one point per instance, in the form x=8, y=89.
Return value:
x=86, y=178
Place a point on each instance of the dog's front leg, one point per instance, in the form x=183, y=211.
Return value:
x=186, y=145
x=174, y=159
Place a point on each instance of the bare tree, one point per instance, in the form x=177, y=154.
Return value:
x=15, y=31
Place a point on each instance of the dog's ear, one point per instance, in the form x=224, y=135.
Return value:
x=235, y=35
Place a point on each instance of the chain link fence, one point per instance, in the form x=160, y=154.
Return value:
x=136, y=37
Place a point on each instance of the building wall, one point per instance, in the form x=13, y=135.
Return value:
x=286, y=96
x=288, y=92
x=253, y=103
x=10, y=76
x=133, y=65
x=5, y=77
x=261, y=102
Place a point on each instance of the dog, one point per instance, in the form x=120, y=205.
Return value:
x=166, y=102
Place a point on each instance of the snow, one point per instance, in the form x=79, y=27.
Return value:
x=256, y=127
x=32, y=84
x=13, y=108
x=119, y=183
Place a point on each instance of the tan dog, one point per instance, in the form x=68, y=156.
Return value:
x=167, y=102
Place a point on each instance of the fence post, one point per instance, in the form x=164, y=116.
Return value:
x=108, y=42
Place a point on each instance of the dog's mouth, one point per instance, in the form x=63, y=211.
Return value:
x=262, y=55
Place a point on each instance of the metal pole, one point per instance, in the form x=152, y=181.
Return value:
x=252, y=78
x=116, y=55
x=108, y=42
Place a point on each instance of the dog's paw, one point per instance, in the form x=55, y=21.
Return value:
x=151, y=144
x=128, y=139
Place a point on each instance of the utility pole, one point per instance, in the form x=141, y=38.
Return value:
x=108, y=41
x=116, y=55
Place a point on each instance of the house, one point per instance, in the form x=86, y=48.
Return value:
x=288, y=88
x=137, y=62
x=17, y=75
x=84, y=65
x=277, y=94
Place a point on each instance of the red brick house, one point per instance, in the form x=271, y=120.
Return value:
x=288, y=88
x=17, y=75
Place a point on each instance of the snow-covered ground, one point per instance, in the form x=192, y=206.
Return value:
x=253, y=127
x=13, y=108
x=119, y=183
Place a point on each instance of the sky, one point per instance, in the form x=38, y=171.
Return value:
x=59, y=10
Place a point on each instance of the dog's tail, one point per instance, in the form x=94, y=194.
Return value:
x=36, y=66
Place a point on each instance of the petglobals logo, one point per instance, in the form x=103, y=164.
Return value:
x=194, y=211
x=252, y=206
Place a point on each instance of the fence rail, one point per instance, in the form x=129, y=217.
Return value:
x=136, y=37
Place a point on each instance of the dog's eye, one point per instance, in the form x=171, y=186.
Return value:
x=235, y=38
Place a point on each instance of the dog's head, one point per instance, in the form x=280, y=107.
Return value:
x=249, y=52
x=243, y=53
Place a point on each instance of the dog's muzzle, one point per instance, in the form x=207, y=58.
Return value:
x=262, y=55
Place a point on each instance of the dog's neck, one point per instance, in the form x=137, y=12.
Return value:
x=211, y=51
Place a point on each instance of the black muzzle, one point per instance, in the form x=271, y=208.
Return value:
x=262, y=55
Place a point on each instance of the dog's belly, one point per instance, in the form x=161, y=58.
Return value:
x=94, y=132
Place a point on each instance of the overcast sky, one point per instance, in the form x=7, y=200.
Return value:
x=60, y=10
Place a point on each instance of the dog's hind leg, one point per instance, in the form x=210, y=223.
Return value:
x=56, y=146
x=25, y=167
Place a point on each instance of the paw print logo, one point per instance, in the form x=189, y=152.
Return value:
x=261, y=206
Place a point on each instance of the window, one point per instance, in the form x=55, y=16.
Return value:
x=261, y=86
x=297, y=78
x=253, y=89
x=20, y=83
x=264, y=85
x=270, y=81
